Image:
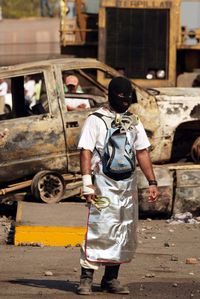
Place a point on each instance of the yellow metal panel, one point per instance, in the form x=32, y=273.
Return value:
x=174, y=30
x=161, y=4
x=49, y=236
x=108, y=3
x=102, y=18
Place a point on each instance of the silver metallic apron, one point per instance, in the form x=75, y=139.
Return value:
x=111, y=232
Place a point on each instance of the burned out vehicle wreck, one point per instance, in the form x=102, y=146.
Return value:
x=38, y=144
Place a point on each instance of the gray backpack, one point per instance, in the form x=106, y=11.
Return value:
x=118, y=158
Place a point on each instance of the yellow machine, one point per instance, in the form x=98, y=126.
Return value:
x=78, y=29
x=142, y=39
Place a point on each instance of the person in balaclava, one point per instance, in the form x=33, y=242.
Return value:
x=109, y=186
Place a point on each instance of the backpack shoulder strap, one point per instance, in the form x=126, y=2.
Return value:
x=129, y=117
x=101, y=116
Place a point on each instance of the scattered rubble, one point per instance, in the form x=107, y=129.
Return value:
x=33, y=244
x=191, y=261
x=141, y=287
x=183, y=218
x=150, y=275
x=6, y=230
x=48, y=273
x=174, y=258
x=166, y=244
x=75, y=269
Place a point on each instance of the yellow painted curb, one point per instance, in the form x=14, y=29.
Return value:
x=49, y=236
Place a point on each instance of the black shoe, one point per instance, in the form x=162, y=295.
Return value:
x=85, y=287
x=113, y=286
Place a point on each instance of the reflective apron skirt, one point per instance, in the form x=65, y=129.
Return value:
x=111, y=232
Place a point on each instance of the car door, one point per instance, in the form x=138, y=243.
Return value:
x=92, y=92
x=31, y=138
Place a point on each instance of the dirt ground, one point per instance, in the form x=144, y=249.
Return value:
x=159, y=270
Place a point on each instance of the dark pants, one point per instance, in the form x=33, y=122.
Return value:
x=44, y=5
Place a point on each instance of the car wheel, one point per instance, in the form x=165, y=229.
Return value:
x=7, y=109
x=195, y=151
x=48, y=186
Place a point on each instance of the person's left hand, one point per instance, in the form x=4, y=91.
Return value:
x=81, y=107
x=153, y=193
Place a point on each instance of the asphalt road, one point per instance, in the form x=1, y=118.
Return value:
x=158, y=271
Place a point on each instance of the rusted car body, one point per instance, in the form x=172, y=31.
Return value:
x=45, y=137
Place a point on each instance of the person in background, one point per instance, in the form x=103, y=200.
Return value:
x=3, y=92
x=45, y=6
x=111, y=236
x=71, y=85
x=29, y=90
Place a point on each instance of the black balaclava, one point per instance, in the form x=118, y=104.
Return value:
x=120, y=94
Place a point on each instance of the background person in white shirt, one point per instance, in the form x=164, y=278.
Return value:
x=3, y=92
x=29, y=89
x=71, y=85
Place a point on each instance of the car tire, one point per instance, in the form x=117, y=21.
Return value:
x=48, y=186
x=7, y=109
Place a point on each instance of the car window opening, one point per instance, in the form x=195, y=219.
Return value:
x=24, y=96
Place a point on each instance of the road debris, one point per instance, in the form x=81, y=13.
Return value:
x=32, y=244
x=141, y=287
x=150, y=275
x=183, y=218
x=166, y=244
x=174, y=258
x=48, y=273
x=191, y=261
x=6, y=229
x=75, y=269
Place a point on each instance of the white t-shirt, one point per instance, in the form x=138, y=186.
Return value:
x=29, y=87
x=94, y=131
x=74, y=103
x=3, y=88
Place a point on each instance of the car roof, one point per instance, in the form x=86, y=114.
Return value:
x=71, y=63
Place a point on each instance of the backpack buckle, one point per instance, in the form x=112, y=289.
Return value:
x=118, y=120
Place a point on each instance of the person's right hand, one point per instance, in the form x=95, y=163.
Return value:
x=89, y=193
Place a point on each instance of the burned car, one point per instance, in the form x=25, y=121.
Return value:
x=38, y=140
